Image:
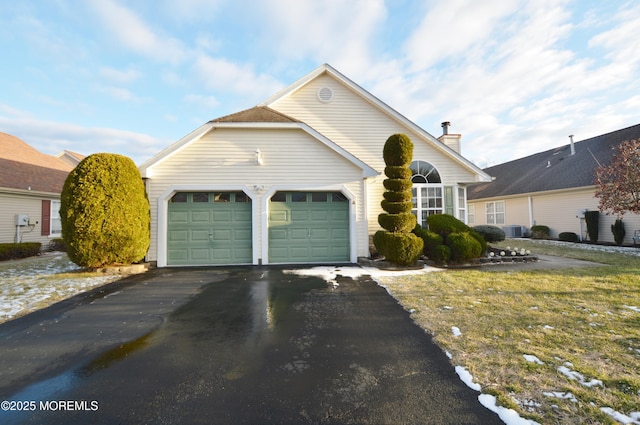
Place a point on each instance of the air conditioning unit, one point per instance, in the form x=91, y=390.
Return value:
x=515, y=231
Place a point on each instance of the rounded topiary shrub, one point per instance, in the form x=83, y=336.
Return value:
x=463, y=246
x=396, y=207
x=398, y=150
x=397, y=243
x=431, y=241
x=397, y=223
x=104, y=212
x=540, y=232
x=398, y=185
x=490, y=233
x=443, y=224
x=441, y=254
x=568, y=237
x=483, y=243
x=397, y=196
x=399, y=248
x=398, y=172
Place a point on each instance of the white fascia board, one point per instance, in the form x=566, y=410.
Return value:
x=145, y=167
x=481, y=175
x=367, y=171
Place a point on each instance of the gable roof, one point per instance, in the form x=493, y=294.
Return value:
x=257, y=114
x=373, y=100
x=70, y=158
x=24, y=168
x=257, y=117
x=554, y=169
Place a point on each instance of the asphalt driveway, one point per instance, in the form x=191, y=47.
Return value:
x=229, y=346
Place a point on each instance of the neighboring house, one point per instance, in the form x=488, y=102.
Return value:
x=70, y=158
x=30, y=186
x=551, y=188
x=296, y=179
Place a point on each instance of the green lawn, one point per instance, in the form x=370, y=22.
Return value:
x=555, y=345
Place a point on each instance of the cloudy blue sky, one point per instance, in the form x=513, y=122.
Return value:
x=513, y=76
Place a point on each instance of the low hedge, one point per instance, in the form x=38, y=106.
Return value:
x=540, y=232
x=464, y=246
x=12, y=251
x=490, y=233
x=568, y=237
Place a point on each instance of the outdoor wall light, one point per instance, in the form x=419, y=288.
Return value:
x=259, y=157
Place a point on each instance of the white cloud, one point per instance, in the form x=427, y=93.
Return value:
x=119, y=93
x=336, y=31
x=226, y=76
x=54, y=137
x=118, y=76
x=450, y=29
x=202, y=101
x=134, y=34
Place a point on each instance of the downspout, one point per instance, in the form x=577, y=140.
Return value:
x=531, y=221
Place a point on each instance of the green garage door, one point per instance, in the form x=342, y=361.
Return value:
x=209, y=228
x=308, y=227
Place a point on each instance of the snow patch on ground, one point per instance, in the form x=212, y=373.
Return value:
x=634, y=308
x=577, y=376
x=508, y=416
x=30, y=284
x=456, y=331
x=633, y=418
x=467, y=378
x=532, y=359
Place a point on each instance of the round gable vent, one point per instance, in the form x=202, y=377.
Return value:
x=325, y=94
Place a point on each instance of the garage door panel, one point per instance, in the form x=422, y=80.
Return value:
x=177, y=254
x=242, y=216
x=222, y=216
x=299, y=215
x=315, y=229
x=322, y=215
x=199, y=254
x=321, y=234
x=178, y=217
x=199, y=235
x=178, y=236
x=278, y=234
x=299, y=234
x=200, y=217
x=209, y=233
x=242, y=235
x=340, y=215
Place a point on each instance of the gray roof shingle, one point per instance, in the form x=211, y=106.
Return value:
x=553, y=169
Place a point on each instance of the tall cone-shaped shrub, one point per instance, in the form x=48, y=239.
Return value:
x=396, y=242
x=104, y=212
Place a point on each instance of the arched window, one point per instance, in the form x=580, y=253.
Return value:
x=427, y=191
x=423, y=172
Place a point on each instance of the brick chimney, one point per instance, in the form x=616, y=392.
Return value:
x=451, y=140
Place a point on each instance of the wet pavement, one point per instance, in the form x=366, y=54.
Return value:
x=229, y=346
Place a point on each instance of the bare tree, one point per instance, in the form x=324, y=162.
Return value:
x=618, y=184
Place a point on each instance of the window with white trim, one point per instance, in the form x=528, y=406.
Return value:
x=427, y=191
x=471, y=214
x=56, y=223
x=462, y=203
x=495, y=212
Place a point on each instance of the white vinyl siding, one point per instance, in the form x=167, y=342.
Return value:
x=362, y=129
x=30, y=204
x=224, y=159
x=471, y=214
x=559, y=211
